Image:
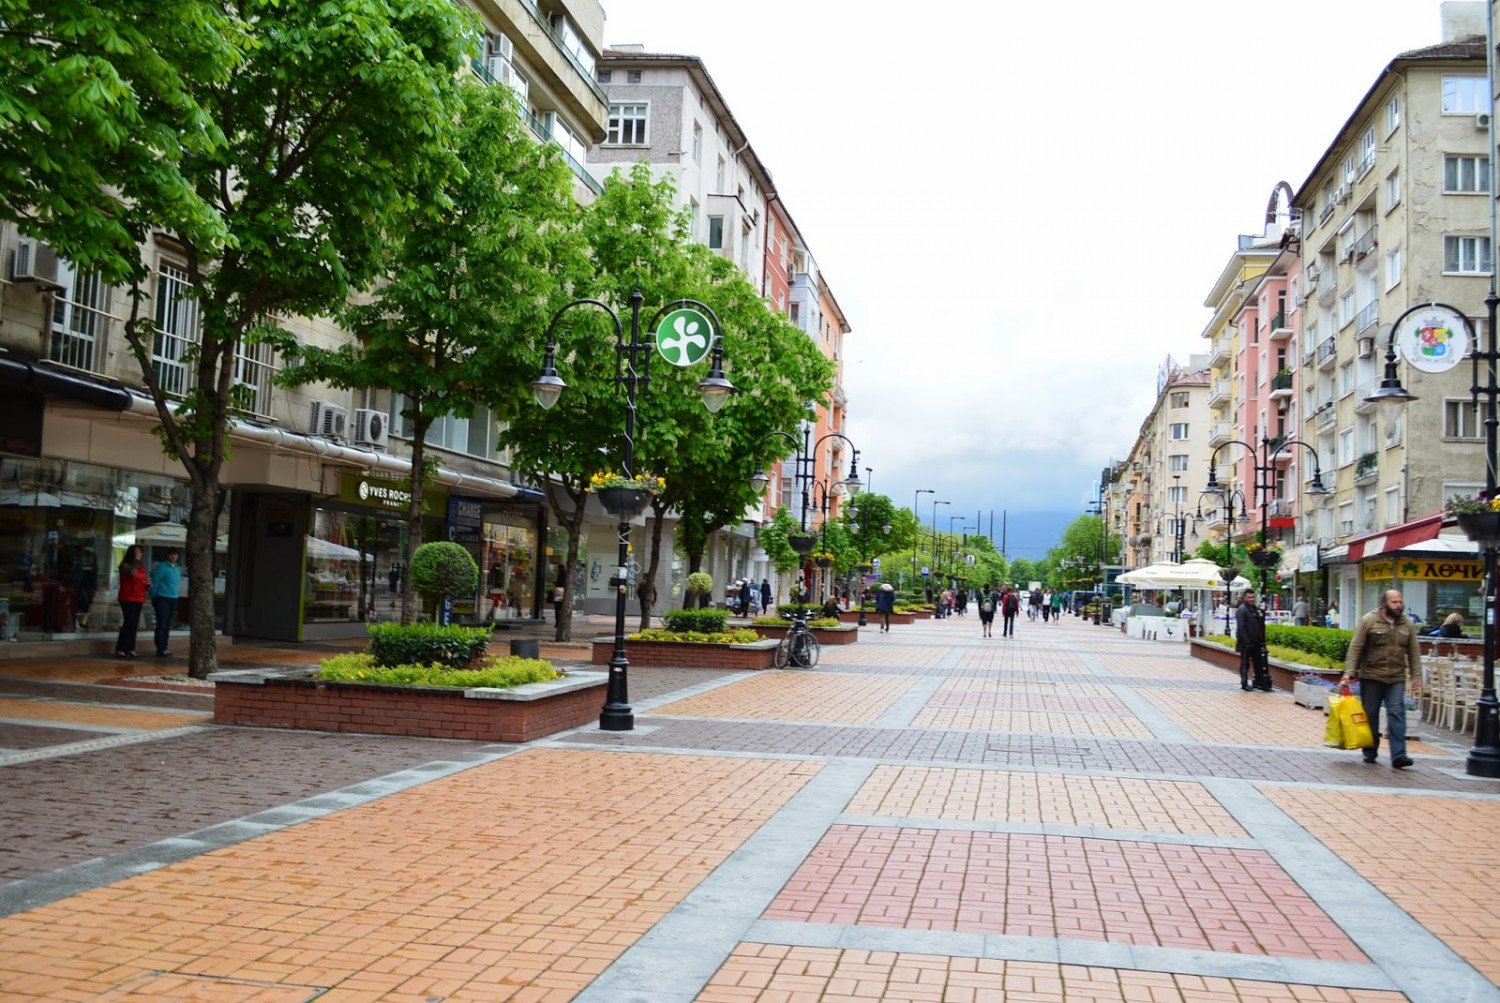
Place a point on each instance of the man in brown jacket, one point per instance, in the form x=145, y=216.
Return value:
x=1383, y=655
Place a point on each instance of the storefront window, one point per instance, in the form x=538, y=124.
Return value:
x=354, y=569
x=508, y=568
x=1456, y=597
x=64, y=527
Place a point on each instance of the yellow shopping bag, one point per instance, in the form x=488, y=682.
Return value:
x=1354, y=724
x=1333, y=734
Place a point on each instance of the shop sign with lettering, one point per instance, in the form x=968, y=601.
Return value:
x=1423, y=569
x=389, y=494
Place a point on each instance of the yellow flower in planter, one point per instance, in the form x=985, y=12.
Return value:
x=647, y=482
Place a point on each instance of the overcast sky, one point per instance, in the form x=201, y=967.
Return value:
x=1022, y=206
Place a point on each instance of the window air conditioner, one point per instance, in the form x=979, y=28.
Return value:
x=329, y=419
x=1366, y=347
x=1482, y=120
x=1344, y=192
x=33, y=261
x=371, y=428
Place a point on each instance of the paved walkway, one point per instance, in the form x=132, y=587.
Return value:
x=1067, y=815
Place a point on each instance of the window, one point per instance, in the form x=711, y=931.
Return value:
x=176, y=328
x=605, y=76
x=1346, y=379
x=1392, y=506
x=77, y=316
x=795, y=312
x=1177, y=495
x=1366, y=151
x=1464, y=95
x=697, y=144
x=1346, y=308
x=1392, y=114
x=716, y=232
x=632, y=76
x=1346, y=447
x=475, y=435
x=1461, y=419
x=1465, y=174
x=1179, y=399
x=1392, y=267
x=719, y=178
x=575, y=46
x=1392, y=190
x=745, y=246
x=1466, y=255
x=1177, y=463
x=1179, y=430
x=1346, y=519
x=627, y=125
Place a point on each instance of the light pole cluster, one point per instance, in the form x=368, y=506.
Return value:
x=805, y=474
x=688, y=332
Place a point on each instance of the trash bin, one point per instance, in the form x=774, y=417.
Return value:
x=526, y=647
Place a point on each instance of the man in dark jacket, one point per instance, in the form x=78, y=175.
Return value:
x=1010, y=605
x=1383, y=655
x=885, y=605
x=1250, y=642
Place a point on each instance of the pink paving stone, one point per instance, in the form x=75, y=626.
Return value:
x=1196, y=898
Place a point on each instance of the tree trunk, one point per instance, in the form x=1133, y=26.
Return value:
x=202, y=531
x=645, y=588
x=419, y=425
x=571, y=520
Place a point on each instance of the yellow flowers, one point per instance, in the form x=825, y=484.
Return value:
x=640, y=482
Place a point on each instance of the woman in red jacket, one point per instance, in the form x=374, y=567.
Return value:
x=133, y=582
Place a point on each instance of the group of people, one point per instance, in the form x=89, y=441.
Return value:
x=160, y=586
x=748, y=599
x=1383, y=656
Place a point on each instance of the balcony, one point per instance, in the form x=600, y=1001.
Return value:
x=1361, y=394
x=1281, y=508
x=1327, y=416
x=1281, y=385
x=1218, y=351
x=1367, y=468
x=542, y=133
x=1219, y=432
x=1365, y=244
x=1281, y=326
x=1328, y=353
x=1368, y=317
x=586, y=74
x=1218, y=392
x=1215, y=519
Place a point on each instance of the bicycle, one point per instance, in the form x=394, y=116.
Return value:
x=798, y=648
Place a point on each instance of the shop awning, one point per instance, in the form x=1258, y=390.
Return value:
x=1402, y=537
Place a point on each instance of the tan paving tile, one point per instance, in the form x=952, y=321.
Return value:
x=1050, y=798
x=791, y=695
x=1435, y=857
x=1169, y=663
x=1251, y=718
x=526, y=872
x=762, y=973
x=1031, y=722
x=108, y=717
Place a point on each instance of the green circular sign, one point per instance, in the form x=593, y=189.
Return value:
x=684, y=337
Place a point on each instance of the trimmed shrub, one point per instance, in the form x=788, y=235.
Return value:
x=739, y=635
x=441, y=569
x=700, y=621
x=427, y=644
x=498, y=673
x=699, y=583
x=1330, y=642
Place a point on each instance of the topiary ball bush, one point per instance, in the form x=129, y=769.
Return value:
x=699, y=583
x=441, y=569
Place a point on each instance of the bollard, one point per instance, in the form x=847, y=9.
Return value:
x=526, y=647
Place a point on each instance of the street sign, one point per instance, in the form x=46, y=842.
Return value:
x=1434, y=339
x=684, y=337
x=875, y=563
x=926, y=571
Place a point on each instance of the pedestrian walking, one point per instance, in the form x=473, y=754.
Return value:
x=1250, y=642
x=1299, y=612
x=988, y=600
x=885, y=605
x=1046, y=606
x=133, y=586
x=961, y=601
x=1010, y=605
x=166, y=585
x=765, y=594
x=1383, y=655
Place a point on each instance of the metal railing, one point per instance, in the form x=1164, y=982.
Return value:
x=1365, y=244
x=78, y=321
x=1368, y=317
x=1328, y=350
x=546, y=26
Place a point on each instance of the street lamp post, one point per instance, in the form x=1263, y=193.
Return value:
x=1484, y=758
x=915, y=499
x=1227, y=570
x=1179, y=524
x=935, y=504
x=952, y=549
x=689, y=331
x=805, y=459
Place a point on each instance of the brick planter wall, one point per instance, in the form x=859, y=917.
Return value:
x=825, y=635
x=1283, y=674
x=294, y=700
x=678, y=654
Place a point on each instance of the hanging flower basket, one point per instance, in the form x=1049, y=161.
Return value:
x=865, y=568
x=1265, y=558
x=623, y=501
x=802, y=543
x=825, y=562
x=1483, y=527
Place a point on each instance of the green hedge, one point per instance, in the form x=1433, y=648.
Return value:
x=696, y=621
x=499, y=673
x=427, y=644
x=1330, y=642
x=739, y=635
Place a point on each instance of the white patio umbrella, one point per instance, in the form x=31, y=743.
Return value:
x=327, y=550
x=1153, y=576
x=158, y=533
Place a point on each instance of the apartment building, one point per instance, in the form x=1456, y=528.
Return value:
x=1161, y=479
x=1396, y=213
x=308, y=544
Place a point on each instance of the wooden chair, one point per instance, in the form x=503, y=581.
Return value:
x=1436, y=701
x=1466, y=692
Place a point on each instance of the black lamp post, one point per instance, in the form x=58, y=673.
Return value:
x=934, y=567
x=682, y=334
x=804, y=472
x=915, y=499
x=861, y=527
x=1228, y=570
x=1484, y=758
x=1179, y=522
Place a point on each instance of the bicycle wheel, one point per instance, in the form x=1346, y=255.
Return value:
x=783, y=652
x=805, y=651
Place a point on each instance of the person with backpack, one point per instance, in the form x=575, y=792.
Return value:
x=988, y=600
x=1010, y=605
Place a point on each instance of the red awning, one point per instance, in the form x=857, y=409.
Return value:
x=1396, y=538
